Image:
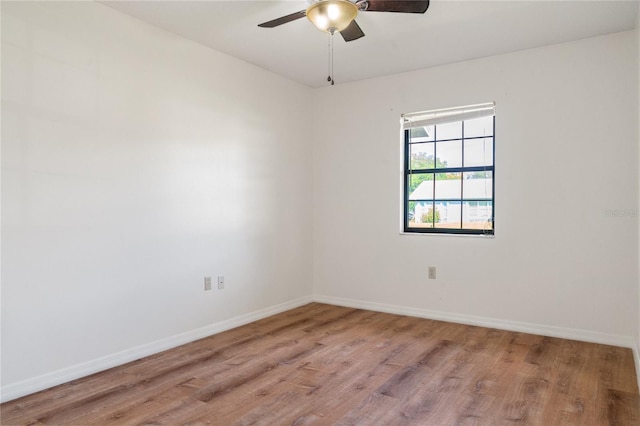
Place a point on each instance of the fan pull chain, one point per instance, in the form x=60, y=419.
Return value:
x=330, y=78
x=329, y=57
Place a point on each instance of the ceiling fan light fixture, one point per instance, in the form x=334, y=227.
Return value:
x=332, y=15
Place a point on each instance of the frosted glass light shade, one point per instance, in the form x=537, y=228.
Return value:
x=332, y=15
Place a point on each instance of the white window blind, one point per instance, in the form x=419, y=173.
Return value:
x=446, y=115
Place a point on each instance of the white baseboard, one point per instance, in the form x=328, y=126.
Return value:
x=544, y=330
x=35, y=384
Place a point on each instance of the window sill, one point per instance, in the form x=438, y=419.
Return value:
x=435, y=234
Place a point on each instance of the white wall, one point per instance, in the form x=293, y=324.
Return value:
x=566, y=139
x=134, y=163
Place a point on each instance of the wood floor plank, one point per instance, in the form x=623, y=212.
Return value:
x=328, y=365
x=448, y=385
x=574, y=387
x=622, y=408
x=613, y=371
x=352, y=376
x=375, y=409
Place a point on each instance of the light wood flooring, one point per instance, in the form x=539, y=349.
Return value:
x=328, y=365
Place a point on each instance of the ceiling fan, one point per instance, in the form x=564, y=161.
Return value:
x=339, y=15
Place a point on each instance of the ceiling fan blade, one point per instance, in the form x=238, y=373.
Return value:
x=402, y=6
x=284, y=19
x=352, y=32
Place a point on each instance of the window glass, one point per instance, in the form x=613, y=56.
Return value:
x=448, y=189
x=448, y=154
x=449, y=180
x=478, y=152
x=477, y=185
x=422, y=155
x=449, y=131
x=478, y=127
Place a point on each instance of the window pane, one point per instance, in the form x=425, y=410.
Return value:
x=477, y=185
x=482, y=126
x=422, y=134
x=420, y=214
x=449, y=189
x=410, y=211
x=422, y=155
x=449, y=131
x=477, y=215
x=421, y=186
x=448, y=214
x=449, y=154
x=478, y=152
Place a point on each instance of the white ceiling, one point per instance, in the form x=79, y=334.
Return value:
x=450, y=31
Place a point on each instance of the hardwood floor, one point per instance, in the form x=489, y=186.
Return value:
x=328, y=365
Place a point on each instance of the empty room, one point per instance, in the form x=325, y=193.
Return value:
x=329, y=212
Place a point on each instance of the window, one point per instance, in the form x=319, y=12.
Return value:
x=449, y=170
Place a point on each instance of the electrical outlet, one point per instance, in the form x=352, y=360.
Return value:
x=432, y=272
x=207, y=283
x=220, y=282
